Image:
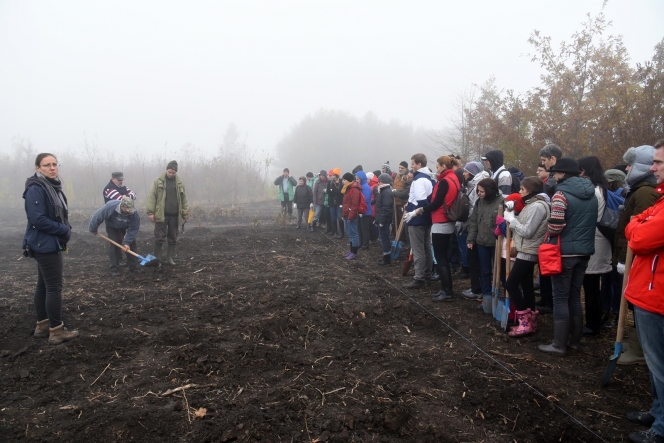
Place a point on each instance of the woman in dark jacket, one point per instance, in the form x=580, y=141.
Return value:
x=46, y=237
x=384, y=215
x=303, y=198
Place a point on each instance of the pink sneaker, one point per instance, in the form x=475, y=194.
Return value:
x=351, y=256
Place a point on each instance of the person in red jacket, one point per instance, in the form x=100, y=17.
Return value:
x=443, y=195
x=352, y=192
x=645, y=289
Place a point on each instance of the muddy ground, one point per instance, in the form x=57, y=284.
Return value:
x=281, y=340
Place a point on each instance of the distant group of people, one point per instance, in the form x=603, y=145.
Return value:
x=593, y=214
x=48, y=232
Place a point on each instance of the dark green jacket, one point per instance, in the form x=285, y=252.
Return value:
x=578, y=237
x=157, y=199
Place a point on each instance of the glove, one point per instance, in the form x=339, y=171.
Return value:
x=509, y=205
x=294, y=205
x=509, y=216
x=311, y=205
x=621, y=268
x=408, y=216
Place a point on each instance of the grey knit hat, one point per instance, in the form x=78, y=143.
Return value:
x=474, y=167
x=385, y=178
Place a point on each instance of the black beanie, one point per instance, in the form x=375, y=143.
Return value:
x=349, y=177
x=172, y=165
x=357, y=168
x=404, y=164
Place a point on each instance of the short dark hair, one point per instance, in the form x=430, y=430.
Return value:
x=303, y=179
x=42, y=156
x=420, y=159
x=490, y=188
x=532, y=184
x=659, y=143
x=551, y=150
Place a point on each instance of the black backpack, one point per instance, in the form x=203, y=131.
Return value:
x=459, y=210
x=516, y=183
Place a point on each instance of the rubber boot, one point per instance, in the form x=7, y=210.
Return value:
x=575, y=332
x=634, y=354
x=534, y=315
x=524, y=327
x=59, y=334
x=333, y=228
x=445, y=277
x=41, y=331
x=560, y=337
x=171, y=254
x=159, y=251
x=486, y=303
x=342, y=230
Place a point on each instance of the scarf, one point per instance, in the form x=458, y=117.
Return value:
x=53, y=188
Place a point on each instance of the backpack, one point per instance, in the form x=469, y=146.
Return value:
x=611, y=213
x=459, y=210
x=516, y=183
x=362, y=207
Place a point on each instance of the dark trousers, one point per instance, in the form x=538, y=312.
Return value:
x=364, y=230
x=385, y=238
x=486, y=254
x=453, y=253
x=167, y=230
x=48, y=293
x=593, y=301
x=611, y=290
x=475, y=269
x=115, y=253
x=300, y=213
x=441, y=244
x=286, y=205
x=521, y=274
x=546, y=291
x=567, y=288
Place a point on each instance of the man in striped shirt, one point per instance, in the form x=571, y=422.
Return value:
x=115, y=189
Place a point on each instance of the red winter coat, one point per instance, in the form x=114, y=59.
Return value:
x=645, y=236
x=453, y=187
x=351, y=201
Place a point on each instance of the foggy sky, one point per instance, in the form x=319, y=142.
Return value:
x=138, y=75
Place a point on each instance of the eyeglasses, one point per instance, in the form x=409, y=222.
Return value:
x=50, y=165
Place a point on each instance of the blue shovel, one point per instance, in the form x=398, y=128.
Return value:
x=396, y=244
x=150, y=260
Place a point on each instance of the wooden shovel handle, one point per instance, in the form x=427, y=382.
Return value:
x=623, y=301
x=118, y=245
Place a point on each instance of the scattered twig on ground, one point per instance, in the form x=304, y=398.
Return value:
x=189, y=386
x=102, y=373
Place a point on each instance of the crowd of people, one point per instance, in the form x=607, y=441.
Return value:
x=593, y=214
x=599, y=218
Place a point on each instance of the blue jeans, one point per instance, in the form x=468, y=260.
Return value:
x=384, y=232
x=462, y=240
x=351, y=231
x=318, y=212
x=335, y=213
x=486, y=254
x=567, y=288
x=650, y=327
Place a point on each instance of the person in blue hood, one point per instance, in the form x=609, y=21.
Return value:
x=365, y=219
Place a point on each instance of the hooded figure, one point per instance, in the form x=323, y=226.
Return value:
x=499, y=173
x=641, y=194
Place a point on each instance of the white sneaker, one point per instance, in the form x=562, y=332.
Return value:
x=469, y=295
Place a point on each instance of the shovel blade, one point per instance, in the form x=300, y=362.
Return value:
x=504, y=314
x=613, y=362
x=396, y=249
x=146, y=260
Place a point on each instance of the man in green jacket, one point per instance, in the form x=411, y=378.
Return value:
x=167, y=209
x=286, y=189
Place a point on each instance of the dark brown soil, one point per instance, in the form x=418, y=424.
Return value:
x=280, y=339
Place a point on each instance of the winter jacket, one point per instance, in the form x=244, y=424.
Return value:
x=645, y=233
x=291, y=187
x=483, y=221
x=499, y=172
x=115, y=192
x=550, y=185
x=399, y=183
x=640, y=197
x=401, y=195
x=112, y=215
x=303, y=196
x=446, y=190
x=574, y=212
x=420, y=196
x=45, y=233
x=334, y=195
x=157, y=199
x=351, y=201
x=373, y=183
x=600, y=261
x=384, y=205
x=471, y=191
x=529, y=228
x=319, y=192
x=366, y=191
